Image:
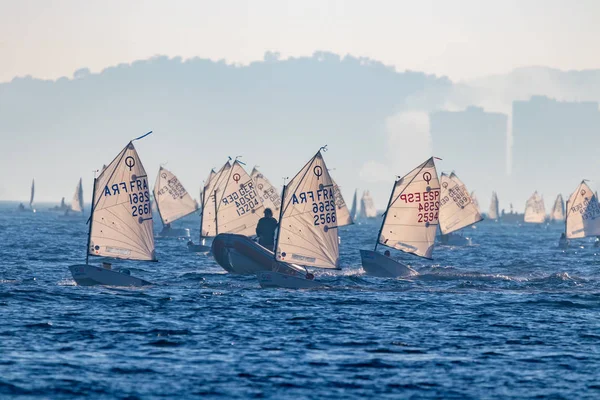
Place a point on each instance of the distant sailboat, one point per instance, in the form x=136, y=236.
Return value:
x=173, y=202
x=409, y=223
x=76, y=207
x=494, y=211
x=457, y=210
x=343, y=214
x=475, y=201
x=367, y=206
x=583, y=213
x=353, y=214
x=535, y=212
x=558, y=209
x=269, y=196
x=120, y=222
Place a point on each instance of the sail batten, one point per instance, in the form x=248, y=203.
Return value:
x=583, y=213
x=456, y=207
x=412, y=216
x=308, y=227
x=172, y=200
x=535, y=212
x=121, y=225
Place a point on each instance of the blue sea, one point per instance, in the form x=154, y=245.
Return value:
x=510, y=316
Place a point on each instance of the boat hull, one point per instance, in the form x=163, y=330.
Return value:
x=376, y=264
x=272, y=279
x=90, y=275
x=238, y=254
x=174, y=233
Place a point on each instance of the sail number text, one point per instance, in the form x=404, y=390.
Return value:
x=323, y=204
x=138, y=194
x=245, y=199
x=459, y=196
x=588, y=209
x=428, y=204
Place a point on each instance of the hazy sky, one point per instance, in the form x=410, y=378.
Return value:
x=462, y=39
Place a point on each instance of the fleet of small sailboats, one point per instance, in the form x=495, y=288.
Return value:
x=311, y=208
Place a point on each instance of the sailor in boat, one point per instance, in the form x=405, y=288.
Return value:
x=21, y=207
x=563, y=243
x=265, y=230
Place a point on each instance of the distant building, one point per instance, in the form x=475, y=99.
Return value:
x=555, y=146
x=473, y=144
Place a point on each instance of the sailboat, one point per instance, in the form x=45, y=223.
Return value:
x=120, y=224
x=266, y=191
x=535, y=212
x=76, y=207
x=409, y=223
x=583, y=213
x=558, y=210
x=343, y=214
x=367, y=206
x=31, y=207
x=307, y=234
x=173, y=202
x=62, y=207
x=232, y=205
x=494, y=211
x=353, y=213
x=457, y=210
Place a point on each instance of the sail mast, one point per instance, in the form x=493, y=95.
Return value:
x=384, y=216
x=216, y=214
x=91, y=221
x=279, y=223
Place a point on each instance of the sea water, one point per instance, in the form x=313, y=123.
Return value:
x=510, y=316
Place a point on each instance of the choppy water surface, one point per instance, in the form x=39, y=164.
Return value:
x=510, y=316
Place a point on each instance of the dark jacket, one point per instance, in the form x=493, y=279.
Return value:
x=265, y=230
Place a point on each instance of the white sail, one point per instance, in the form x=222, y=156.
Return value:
x=121, y=211
x=269, y=196
x=354, y=204
x=77, y=203
x=367, y=206
x=535, y=212
x=456, y=208
x=494, y=212
x=238, y=204
x=558, y=210
x=342, y=213
x=583, y=213
x=475, y=201
x=411, y=219
x=172, y=200
x=32, y=193
x=215, y=183
x=308, y=232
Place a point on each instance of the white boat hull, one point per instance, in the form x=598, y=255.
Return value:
x=174, y=233
x=90, y=275
x=272, y=279
x=376, y=264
